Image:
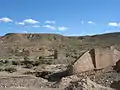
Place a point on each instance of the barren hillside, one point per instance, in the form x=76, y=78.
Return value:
x=67, y=48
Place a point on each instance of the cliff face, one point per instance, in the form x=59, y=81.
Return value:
x=68, y=48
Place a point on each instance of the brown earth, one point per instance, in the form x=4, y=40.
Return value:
x=66, y=48
x=23, y=54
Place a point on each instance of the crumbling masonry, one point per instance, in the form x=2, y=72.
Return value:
x=97, y=58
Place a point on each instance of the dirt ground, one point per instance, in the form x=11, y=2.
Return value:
x=29, y=88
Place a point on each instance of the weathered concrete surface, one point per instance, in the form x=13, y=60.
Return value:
x=103, y=58
x=84, y=63
x=97, y=58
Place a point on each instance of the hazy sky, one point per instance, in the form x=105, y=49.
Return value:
x=67, y=17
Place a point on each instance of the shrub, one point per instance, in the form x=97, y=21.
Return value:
x=27, y=63
x=42, y=60
x=10, y=69
x=29, y=73
x=15, y=62
x=29, y=66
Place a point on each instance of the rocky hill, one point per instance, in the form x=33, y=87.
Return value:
x=60, y=49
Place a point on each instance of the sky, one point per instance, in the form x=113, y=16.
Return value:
x=66, y=17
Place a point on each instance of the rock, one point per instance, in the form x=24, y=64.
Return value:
x=105, y=78
x=65, y=81
x=117, y=67
x=54, y=72
x=76, y=83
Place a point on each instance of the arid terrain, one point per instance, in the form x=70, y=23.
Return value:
x=45, y=62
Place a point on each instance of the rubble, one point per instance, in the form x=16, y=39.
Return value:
x=76, y=83
x=23, y=81
x=89, y=72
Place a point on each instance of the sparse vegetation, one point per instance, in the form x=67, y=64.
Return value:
x=27, y=62
x=42, y=61
x=10, y=69
x=30, y=55
x=16, y=62
x=29, y=73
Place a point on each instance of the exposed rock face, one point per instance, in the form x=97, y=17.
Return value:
x=75, y=83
